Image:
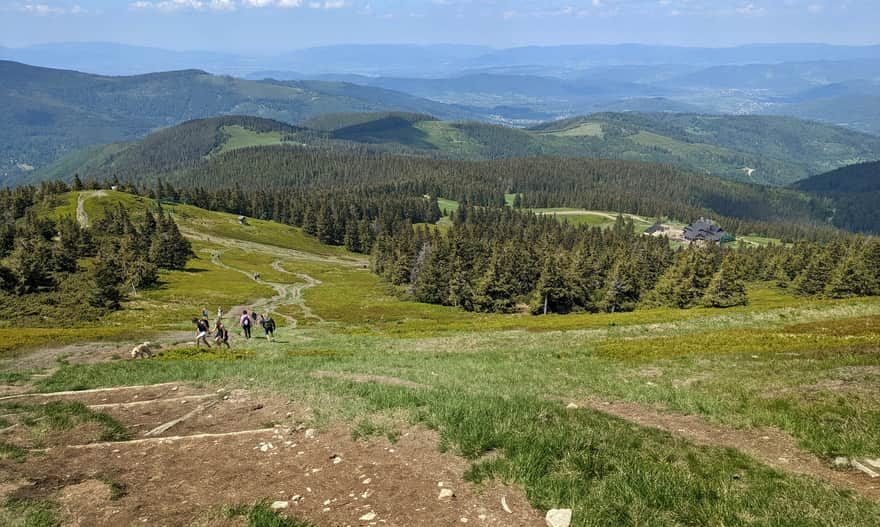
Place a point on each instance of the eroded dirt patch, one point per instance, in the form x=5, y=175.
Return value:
x=770, y=446
x=326, y=477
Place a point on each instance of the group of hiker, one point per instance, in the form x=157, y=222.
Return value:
x=221, y=335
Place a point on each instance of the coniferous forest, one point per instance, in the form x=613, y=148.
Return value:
x=58, y=267
x=502, y=259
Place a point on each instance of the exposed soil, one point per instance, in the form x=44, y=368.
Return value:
x=768, y=445
x=363, y=377
x=91, y=352
x=187, y=478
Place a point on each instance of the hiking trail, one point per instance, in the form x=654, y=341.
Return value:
x=81, y=217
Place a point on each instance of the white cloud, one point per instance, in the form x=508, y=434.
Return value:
x=750, y=10
x=43, y=9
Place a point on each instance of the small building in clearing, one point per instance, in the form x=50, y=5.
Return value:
x=706, y=231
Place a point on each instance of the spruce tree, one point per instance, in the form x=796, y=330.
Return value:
x=169, y=249
x=623, y=289
x=554, y=291
x=815, y=277
x=726, y=288
x=8, y=280
x=871, y=258
x=7, y=238
x=432, y=284
x=495, y=290
x=67, y=250
x=678, y=287
x=107, y=275
x=851, y=277
x=32, y=264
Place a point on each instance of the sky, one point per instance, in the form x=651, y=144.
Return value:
x=253, y=26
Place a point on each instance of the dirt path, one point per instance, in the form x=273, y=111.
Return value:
x=271, y=250
x=81, y=217
x=285, y=294
x=323, y=476
x=607, y=215
x=298, y=292
x=770, y=446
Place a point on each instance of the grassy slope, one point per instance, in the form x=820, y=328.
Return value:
x=772, y=363
x=240, y=137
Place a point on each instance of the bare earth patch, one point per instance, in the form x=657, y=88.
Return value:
x=363, y=377
x=768, y=445
x=325, y=477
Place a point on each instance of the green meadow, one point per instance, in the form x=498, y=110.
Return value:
x=495, y=387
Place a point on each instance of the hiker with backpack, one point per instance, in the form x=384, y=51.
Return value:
x=221, y=334
x=245, y=323
x=202, y=329
x=268, y=327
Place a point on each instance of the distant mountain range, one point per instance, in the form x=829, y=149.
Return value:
x=528, y=85
x=440, y=60
x=48, y=113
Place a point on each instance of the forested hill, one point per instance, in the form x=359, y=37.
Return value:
x=855, y=192
x=47, y=113
x=306, y=173
x=860, y=177
x=778, y=150
x=755, y=149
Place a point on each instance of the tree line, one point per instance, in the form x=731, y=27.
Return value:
x=502, y=260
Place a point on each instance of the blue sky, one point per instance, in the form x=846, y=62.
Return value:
x=280, y=25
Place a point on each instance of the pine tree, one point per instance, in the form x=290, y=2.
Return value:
x=67, y=250
x=169, y=249
x=851, y=277
x=815, y=277
x=32, y=264
x=871, y=257
x=7, y=238
x=352, y=240
x=148, y=229
x=726, y=288
x=554, y=292
x=77, y=183
x=310, y=223
x=107, y=275
x=8, y=280
x=678, y=287
x=623, y=290
x=325, y=226
x=495, y=290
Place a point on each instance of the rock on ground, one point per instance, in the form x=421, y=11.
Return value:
x=558, y=518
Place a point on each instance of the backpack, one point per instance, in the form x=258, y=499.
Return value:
x=270, y=324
